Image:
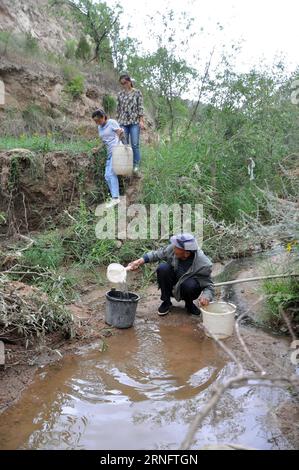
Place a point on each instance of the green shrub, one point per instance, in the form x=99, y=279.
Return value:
x=49, y=142
x=47, y=251
x=69, y=71
x=83, y=50
x=80, y=241
x=70, y=49
x=282, y=296
x=32, y=316
x=109, y=104
x=3, y=218
x=36, y=119
x=5, y=37
x=75, y=86
x=31, y=43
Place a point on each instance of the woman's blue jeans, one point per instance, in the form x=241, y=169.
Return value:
x=132, y=133
x=111, y=178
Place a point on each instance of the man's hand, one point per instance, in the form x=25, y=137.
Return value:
x=135, y=264
x=141, y=124
x=203, y=301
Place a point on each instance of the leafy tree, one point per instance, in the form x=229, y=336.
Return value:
x=165, y=74
x=123, y=49
x=166, y=79
x=98, y=21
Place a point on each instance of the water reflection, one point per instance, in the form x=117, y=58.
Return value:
x=141, y=393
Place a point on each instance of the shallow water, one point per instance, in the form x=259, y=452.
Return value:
x=141, y=393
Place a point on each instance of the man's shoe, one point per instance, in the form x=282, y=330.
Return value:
x=191, y=308
x=112, y=202
x=164, y=307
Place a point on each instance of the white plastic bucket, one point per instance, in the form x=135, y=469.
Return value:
x=116, y=273
x=219, y=319
x=122, y=160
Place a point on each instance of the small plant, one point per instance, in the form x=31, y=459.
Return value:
x=59, y=288
x=47, y=251
x=13, y=174
x=109, y=104
x=69, y=71
x=83, y=50
x=31, y=315
x=5, y=37
x=70, y=49
x=36, y=119
x=75, y=86
x=31, y=43
x=2, y=218
x=283, y=297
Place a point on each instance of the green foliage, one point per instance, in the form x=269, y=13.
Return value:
x=31, y=43
x=80, y=242
x=5, y=37
x=46, y=252
x=3, y=218
x=70, y=49
x=49, y=142
x=164, y=74
x=83, y=50
x=69, y=71
x=166, y=78
x=37, y=119
x=249, y=116
x=75, y=86
x=58, y=287
x=99, y=22
x=282, y=296
x=13, y=174
x=122, y=50
x=15, y=168
x=32, y=316
x=109, y=104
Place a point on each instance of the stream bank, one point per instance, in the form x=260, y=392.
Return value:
x=144, y=388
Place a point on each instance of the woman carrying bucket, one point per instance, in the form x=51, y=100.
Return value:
x=110, y=133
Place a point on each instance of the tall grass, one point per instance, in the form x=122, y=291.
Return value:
x=49, y=142
x=191, y=175
x=254, y=121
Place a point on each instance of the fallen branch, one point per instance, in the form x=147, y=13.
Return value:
x=30, y=243
x=250, y=279
x=26, y=272
x=241, y=380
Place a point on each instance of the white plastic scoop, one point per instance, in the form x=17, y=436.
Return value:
x=116, y=273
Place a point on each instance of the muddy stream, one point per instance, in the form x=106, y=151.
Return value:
x=143, y=392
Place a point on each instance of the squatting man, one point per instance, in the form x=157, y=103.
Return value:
x=184, y=274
